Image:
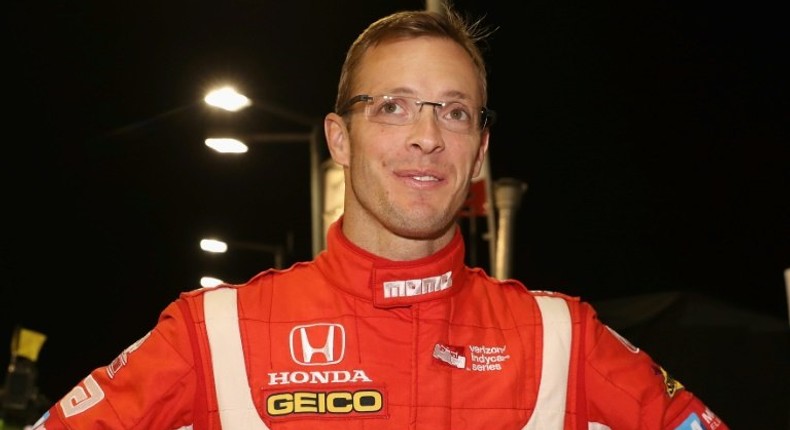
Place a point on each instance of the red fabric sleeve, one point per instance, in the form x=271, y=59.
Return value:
x=151, y=384
x=626, y=389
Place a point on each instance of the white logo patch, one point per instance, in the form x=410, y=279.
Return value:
x=418, y=287
x=488, y=358
x=318, y=344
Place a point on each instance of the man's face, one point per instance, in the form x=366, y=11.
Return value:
x=413, y=178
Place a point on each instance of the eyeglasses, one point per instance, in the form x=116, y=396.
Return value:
x=404, y=110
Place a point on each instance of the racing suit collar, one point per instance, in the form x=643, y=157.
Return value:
x=390, y=283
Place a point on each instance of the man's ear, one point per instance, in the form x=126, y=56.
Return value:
x=337, y=141
x=481, y=153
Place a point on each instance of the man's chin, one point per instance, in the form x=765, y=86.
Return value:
x=419, y=227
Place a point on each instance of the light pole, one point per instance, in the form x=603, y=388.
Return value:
x=229, y=99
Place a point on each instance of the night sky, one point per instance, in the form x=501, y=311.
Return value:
x=652, y=137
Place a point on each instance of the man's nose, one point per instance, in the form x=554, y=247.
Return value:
x=427, y=131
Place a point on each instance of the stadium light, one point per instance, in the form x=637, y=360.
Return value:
x=227, y=98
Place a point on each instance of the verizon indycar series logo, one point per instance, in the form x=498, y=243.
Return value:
x=480, y=358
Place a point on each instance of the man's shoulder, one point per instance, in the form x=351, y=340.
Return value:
x=558, y=294
x=262, y=278
x=516, y=286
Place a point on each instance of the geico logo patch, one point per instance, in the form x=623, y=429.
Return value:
x=324, y=403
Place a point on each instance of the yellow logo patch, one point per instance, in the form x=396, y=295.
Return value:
x=325, y=403
x=672, y=385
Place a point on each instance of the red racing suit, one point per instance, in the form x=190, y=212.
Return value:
x=352, y=341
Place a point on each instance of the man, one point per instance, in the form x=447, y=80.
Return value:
x=387, y=329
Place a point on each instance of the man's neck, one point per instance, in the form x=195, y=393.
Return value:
x=373, y=237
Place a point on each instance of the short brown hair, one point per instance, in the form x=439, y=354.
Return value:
x=412, y=24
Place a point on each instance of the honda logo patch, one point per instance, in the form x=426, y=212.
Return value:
x=318, y=344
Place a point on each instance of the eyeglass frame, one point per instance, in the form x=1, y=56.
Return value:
x=487, y=116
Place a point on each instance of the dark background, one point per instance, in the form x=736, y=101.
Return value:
x=652, y=136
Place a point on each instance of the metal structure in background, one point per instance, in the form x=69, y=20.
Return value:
x=228, y=99
x=787, y=291
x=501, y=200
x=315, y=139
x=508, y=193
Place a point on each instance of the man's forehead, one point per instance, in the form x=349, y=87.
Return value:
x=423, y=66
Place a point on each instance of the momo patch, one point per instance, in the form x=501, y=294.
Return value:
x=417, y=287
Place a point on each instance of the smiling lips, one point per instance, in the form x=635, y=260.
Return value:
x=419, y=175
x=419, y=179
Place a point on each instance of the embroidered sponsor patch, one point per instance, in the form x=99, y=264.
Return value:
x=690, y=423
x=485, y=358
x=319, y=377
x=477, y=358
x=335, y=402
x=417, y=287
x=713, y=421
x=319, y=344
x=672, y=385
x=451, y=355
x=123, y=358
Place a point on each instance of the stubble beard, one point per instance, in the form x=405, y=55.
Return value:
x=418, y=222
